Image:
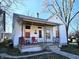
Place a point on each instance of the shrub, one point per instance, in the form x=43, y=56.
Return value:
x=5, y=43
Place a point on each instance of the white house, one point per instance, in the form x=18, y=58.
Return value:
x=2, y=25
x=36, y=30
x=62, y=30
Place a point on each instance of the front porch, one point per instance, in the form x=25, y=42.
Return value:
x=37, y=47
x=35, y=32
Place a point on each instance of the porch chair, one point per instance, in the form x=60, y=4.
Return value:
x=21, y=41
x=34, y=40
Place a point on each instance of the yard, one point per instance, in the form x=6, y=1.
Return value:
x=44, y=56
x=71, y=49
x=15, y=52
x=48, y=56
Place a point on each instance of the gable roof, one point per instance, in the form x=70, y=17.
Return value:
x=34, y=19
x=28, y=17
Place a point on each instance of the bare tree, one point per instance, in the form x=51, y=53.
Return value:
x=5, y=9
x=63, y=9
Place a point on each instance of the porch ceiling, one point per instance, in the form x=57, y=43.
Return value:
x=39, y=22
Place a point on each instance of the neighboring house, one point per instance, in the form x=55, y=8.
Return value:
x=8, y=36
x=2, y=25
x=35, y=30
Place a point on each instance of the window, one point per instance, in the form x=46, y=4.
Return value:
x=48, y=34
x=40, y=33
x=27, y=27
x=57, y=33
x=40, y=27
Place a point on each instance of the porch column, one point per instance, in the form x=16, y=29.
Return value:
x=22, y=29
x=57, y=32
x=44, y=33
x=58, y=35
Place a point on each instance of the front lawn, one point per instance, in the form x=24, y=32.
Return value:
x=5, y=48
x=48, y=56
x=71, y=49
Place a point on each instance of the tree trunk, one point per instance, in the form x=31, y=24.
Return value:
x=67, y=27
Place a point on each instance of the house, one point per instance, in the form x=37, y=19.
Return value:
x=31, y=30
x=2, y=25
x=62, y=29
x=8, y=35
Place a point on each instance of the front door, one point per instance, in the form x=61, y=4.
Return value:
x=40, y=33
x=48, y=35
x=27, y=34
x=40, y=36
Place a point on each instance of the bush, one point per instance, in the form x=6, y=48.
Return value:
x=13, y=51
x=5, y=43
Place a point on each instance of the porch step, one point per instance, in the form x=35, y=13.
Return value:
x=31, y=48
x=54, y=48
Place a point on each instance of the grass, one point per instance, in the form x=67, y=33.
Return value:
x=6, y=48
x=4, y=43
x=10, y=51
x=48, y=56
x=71, y=49
x=15, y=52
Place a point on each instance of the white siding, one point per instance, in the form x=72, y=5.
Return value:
x=63, y=38
x=1, y=28
x=16, y=32
x=55, y=19
x=54, y=31
x=32, y=34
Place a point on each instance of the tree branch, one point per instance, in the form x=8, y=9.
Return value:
x=71, y=7
x=59, y=8
x=73, y=17
x=50, y=11
x=58, y=14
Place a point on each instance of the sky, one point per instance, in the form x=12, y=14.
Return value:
x=31, y=7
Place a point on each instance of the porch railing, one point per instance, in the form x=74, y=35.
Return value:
x=31, y=40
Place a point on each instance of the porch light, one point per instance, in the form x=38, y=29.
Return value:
x=35, y=32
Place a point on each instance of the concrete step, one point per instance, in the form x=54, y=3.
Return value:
x=30, y=49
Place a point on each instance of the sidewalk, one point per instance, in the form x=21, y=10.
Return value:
x=69, y=55
x=23, y=56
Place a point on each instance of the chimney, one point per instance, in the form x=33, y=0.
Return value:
x=37, y=15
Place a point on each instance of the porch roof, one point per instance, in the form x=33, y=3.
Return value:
x=33, y=20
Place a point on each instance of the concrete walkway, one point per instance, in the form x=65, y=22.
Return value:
x=4, y=55
x=69, y=55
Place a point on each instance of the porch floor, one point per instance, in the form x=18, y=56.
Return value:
x=43, y=43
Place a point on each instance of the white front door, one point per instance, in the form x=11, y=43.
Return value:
x=48, y=35
x=40, y=36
